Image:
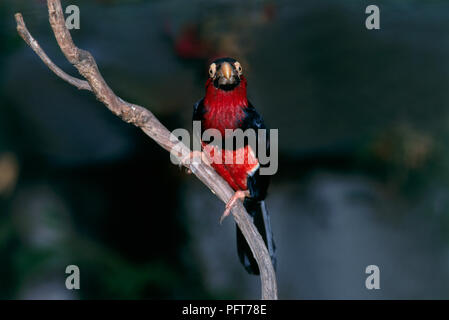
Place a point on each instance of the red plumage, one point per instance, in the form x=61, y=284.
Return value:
x=225, y=110
x=234, y=173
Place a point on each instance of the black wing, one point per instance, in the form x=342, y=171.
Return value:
x=199, y=110
x=253, y=120
x=198, y=115
x=257, y=184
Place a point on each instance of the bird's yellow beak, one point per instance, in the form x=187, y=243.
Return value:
x=226, y=70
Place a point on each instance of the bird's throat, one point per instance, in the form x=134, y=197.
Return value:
x=224, y=109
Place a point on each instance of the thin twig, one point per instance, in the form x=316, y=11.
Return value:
x=28, y=38
x=144, y=119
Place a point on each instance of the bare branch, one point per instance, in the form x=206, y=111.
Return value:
x=26, y=36
x=144, y=119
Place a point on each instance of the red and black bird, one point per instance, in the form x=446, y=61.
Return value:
x=226, y=106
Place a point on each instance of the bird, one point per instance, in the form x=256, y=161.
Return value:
x=226, y=106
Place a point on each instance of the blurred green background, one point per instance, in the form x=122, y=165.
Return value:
x=363, y=119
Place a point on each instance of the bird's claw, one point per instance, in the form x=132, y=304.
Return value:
x=238, y=195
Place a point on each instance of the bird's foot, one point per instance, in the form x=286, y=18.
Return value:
x=187, y=160
x=238, y=195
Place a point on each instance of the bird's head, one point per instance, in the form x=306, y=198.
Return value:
x=225, y=73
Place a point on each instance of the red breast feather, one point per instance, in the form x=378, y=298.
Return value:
x=224, y=109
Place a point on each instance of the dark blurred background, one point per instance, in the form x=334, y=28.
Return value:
x=363, y=119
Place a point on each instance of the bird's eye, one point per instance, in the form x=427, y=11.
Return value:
x=239, y=68
x=212, y=70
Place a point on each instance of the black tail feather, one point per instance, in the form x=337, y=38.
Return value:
x=258, y=211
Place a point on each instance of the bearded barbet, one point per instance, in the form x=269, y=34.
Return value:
x=225, y=106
